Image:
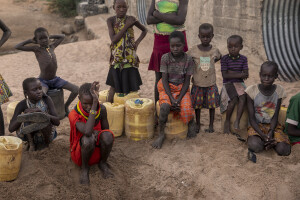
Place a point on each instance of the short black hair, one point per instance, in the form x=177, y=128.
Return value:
x=116, y=1
x=177, y=34
x=27, y=81
x=206, y=26
x=236, y=37
x=39, y=30
x=270, y=64
x=85, y=89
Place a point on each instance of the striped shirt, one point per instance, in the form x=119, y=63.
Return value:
x=239, y=64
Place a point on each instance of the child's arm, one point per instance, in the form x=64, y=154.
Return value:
x=104, y=121
x=233, y=74
x=52, y=112
x=14, y=124
x=252, y=119
x=174, y=18
x=143, y=34
x=165, y=77
x=115, y=38
x=293, y=130
x=184, y=89
x=22, y=46
x=6, y=33
x=150, y=18
x=274, y=120
x=57, y=39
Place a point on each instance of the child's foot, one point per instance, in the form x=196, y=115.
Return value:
x=236, y=125
x=227, y=127
x=157, y=144
x=103, y=166
x=84, y=176
x=210, y=129
x=31, y=147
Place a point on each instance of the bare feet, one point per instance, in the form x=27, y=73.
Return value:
x=105, y=170
x=236, y=125
x=227, y=127
x=210, y=129
x=31, y=147
x=158, y=142
x=84, y=176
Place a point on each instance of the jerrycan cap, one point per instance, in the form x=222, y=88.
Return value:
x=138, y=102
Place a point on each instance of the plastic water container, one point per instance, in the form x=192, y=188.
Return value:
x=103, y=96
x=122, y=99
x=175, y=128
x=10, y=157
x=139, y=118
x=11, y=110
x=57, y=96
x=115, y=116
x=282, y=115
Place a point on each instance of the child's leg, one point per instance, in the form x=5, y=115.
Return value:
x=163, y=117
x=87, y=148
x=255, y=144
x=111, y=94
x=30, y=141
x=229, y=111
x=74, y=92
x=2, y=130
x=106, y=143
x=198, y=114
x=240, y=110
x=191, y=129
x=47, y=134
x=158, y=76
x=211, y=121
x=283, y=149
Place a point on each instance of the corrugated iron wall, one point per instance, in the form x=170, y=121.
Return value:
x=141, y=10
x=281, y=33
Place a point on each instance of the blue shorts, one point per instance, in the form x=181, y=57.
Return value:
x=56, y=83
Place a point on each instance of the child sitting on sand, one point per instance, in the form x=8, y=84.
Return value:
x=177, y=68
x=37, y=123
x=292, y=125
x=5, y=92
x=204, y=92
x=264, y=102
x=234, y=67
x=91, y=141
x=123, y=75
x=44, y=52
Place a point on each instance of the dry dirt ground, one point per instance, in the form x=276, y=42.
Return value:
x=211, y=166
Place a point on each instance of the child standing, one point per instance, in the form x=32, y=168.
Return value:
x=37, y=123
x=234, y=67
x=5, y=92
x=46, y=58
x=205, y=91
x=177, y=68
x=123, y=76
x=264, y=102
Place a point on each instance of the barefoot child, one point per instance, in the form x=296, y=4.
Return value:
x=177, y=68
x=204, y=92
x=234, y=67
x=37, y=123
x=5, y=92
x=292, y=125
x=44, y=52
x=123, y=76
x=90, y=139
x=264, y=102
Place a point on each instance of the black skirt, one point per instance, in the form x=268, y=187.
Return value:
x=124, y=81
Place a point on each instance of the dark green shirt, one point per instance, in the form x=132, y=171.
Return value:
x=293, y=116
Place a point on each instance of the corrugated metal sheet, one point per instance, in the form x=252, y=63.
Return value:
x=141, y=10
x=281, y=33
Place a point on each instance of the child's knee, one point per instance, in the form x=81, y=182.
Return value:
x=255, y=144
x=107, y=138
x=283, y=149
x=87, y=143
x=164, y=112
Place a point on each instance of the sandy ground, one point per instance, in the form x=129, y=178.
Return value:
x=211, y=166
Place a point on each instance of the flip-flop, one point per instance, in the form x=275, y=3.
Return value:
x=251, y=156
x=239, y=137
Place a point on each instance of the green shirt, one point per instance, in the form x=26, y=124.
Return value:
x=293, y=116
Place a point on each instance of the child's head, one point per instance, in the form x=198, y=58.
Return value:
x=32, y=89
x=268, y=73
x=234, y=45
x=41, y=36
x=120, y=6
x=177, y=43
x=86, y=97
x=206, y=33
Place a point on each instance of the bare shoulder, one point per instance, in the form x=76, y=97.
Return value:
x=110, y=19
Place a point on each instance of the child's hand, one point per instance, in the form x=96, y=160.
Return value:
x=32, y=110
x=130, y=21
x=95, y=90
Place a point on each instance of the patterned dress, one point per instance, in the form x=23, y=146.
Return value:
x=5, y=92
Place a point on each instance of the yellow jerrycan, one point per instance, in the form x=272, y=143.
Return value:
x=115, y=117
x=282, y=115
x=139, y=118
x=10, y=157
x=175, y=128
x=122, y=99
x=103, y=96
x=10, y=110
